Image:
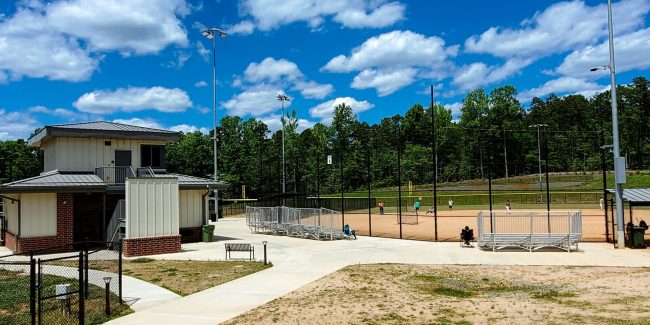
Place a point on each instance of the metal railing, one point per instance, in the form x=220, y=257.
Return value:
x=114, y=174
x=114, y=228
x=145, y=172
x=309, y=223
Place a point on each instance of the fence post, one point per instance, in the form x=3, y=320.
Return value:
x=32, y=288
x=82, y=292
x=119, y=269
x=40, y=292
x=86, y=270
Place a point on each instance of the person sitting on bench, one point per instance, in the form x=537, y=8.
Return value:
x=466, y=235
x=347, y=231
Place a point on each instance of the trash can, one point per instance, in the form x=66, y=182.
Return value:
x=636, y=237
x=207, y=233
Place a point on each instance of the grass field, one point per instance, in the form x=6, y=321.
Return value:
x=464, y=294
x=14, y=304
x=187, y=277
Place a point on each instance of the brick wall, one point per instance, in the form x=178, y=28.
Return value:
x=191, y=235
x=10, y=241
x=151, y=245
x=64, y=229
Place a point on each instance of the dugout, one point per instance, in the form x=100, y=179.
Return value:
x=631, y=198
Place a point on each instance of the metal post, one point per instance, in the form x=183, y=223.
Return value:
x=283, y=167
x=399, y=180
x=214, y=111
x=490, y=183
x=107, y=307
x=318, y=156
x=264, y=242
x=548, y=193
x=434, y=159
x=86, y=270
x=119, y=269
x=617, y=165
x=369, y=189
x=32, y=289
x=539, y=159
x=82, y=293
x=604, y=169
x=505, y=151
x=342, y=188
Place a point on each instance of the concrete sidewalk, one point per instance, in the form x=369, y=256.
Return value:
x=297, y=262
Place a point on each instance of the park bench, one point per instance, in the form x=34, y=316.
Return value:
x=230, y=247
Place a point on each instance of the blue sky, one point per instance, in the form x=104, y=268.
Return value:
x=145, y=62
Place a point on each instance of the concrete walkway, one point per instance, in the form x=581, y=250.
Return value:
x=298, y=262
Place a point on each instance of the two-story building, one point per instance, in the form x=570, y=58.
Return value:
x=105, y=181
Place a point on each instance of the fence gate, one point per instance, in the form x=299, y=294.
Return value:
x=60, y=284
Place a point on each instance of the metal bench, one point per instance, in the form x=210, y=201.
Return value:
x=230, y=247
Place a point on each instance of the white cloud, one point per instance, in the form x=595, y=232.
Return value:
x=179, y=60
x=455, y=109
x=16, y=125
x=383, y=16
x=272, y=70
x=64, y=40
x=133, y=99
x=386, y=81
x=145, y=123
x=561, y=27
x=255, y=102
x=271, y=14
x=30, y=47
x=479, y=74
x=325, y=111
x=245, y=27
x=631, y=54
x=562, y=85
x=313, y=90
x=56, y=112
x=394, y=49
x=185, y=128
x=200, y=84
x=203, y=52
x=274, y=123
x=391, y=61
x=135, y=26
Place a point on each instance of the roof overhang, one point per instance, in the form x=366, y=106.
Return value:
x=48, y=132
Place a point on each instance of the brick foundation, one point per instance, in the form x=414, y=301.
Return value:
x=191, y=235
x=10, y=241
x=151, y=245
x=64, y=224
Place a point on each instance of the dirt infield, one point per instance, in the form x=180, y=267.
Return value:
x=451, y=222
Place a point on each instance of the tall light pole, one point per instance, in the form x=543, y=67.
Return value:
x=619, y=162
x=212, y=33
x=283, y=98
x=539, y=155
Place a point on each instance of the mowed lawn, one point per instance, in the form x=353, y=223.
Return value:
x=188, y=277
x=465, y=294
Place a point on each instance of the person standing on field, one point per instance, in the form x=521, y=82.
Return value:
x=508, y=206
x=381, y=207
x=417, y=207
x=602, y=204
x=451, y=204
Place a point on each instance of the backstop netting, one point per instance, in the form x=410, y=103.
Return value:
x=410, y=218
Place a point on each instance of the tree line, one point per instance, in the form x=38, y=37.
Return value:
x=494, y=136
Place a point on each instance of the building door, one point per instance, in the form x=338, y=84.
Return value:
x=122, y=165
x=122, y=158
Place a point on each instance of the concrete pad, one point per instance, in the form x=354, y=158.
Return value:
x=297, y=262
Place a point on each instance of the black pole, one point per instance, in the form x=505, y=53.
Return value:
x=107, y=307
x=490, y=185
x=264, y=253
x=318, y=157
x=32, y=288
x=369, y=189
x=435, y=167
x=548, y=190
x=604, y=169
x=342, y=188
x=86, y=270
x=82, y=292
x=399, y=179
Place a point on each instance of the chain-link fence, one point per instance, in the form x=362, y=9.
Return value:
x=78, y=283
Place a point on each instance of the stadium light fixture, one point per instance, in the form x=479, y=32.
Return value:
x=619, y=162
x=283, y=98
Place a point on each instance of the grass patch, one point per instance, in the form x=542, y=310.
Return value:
x=188, y=277
x=14, y=302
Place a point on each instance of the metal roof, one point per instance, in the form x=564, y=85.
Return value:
x=56, y=181
x=193, y=181
x=634, y=195
x=102, y=129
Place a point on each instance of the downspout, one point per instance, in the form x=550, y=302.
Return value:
x=203, y=207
